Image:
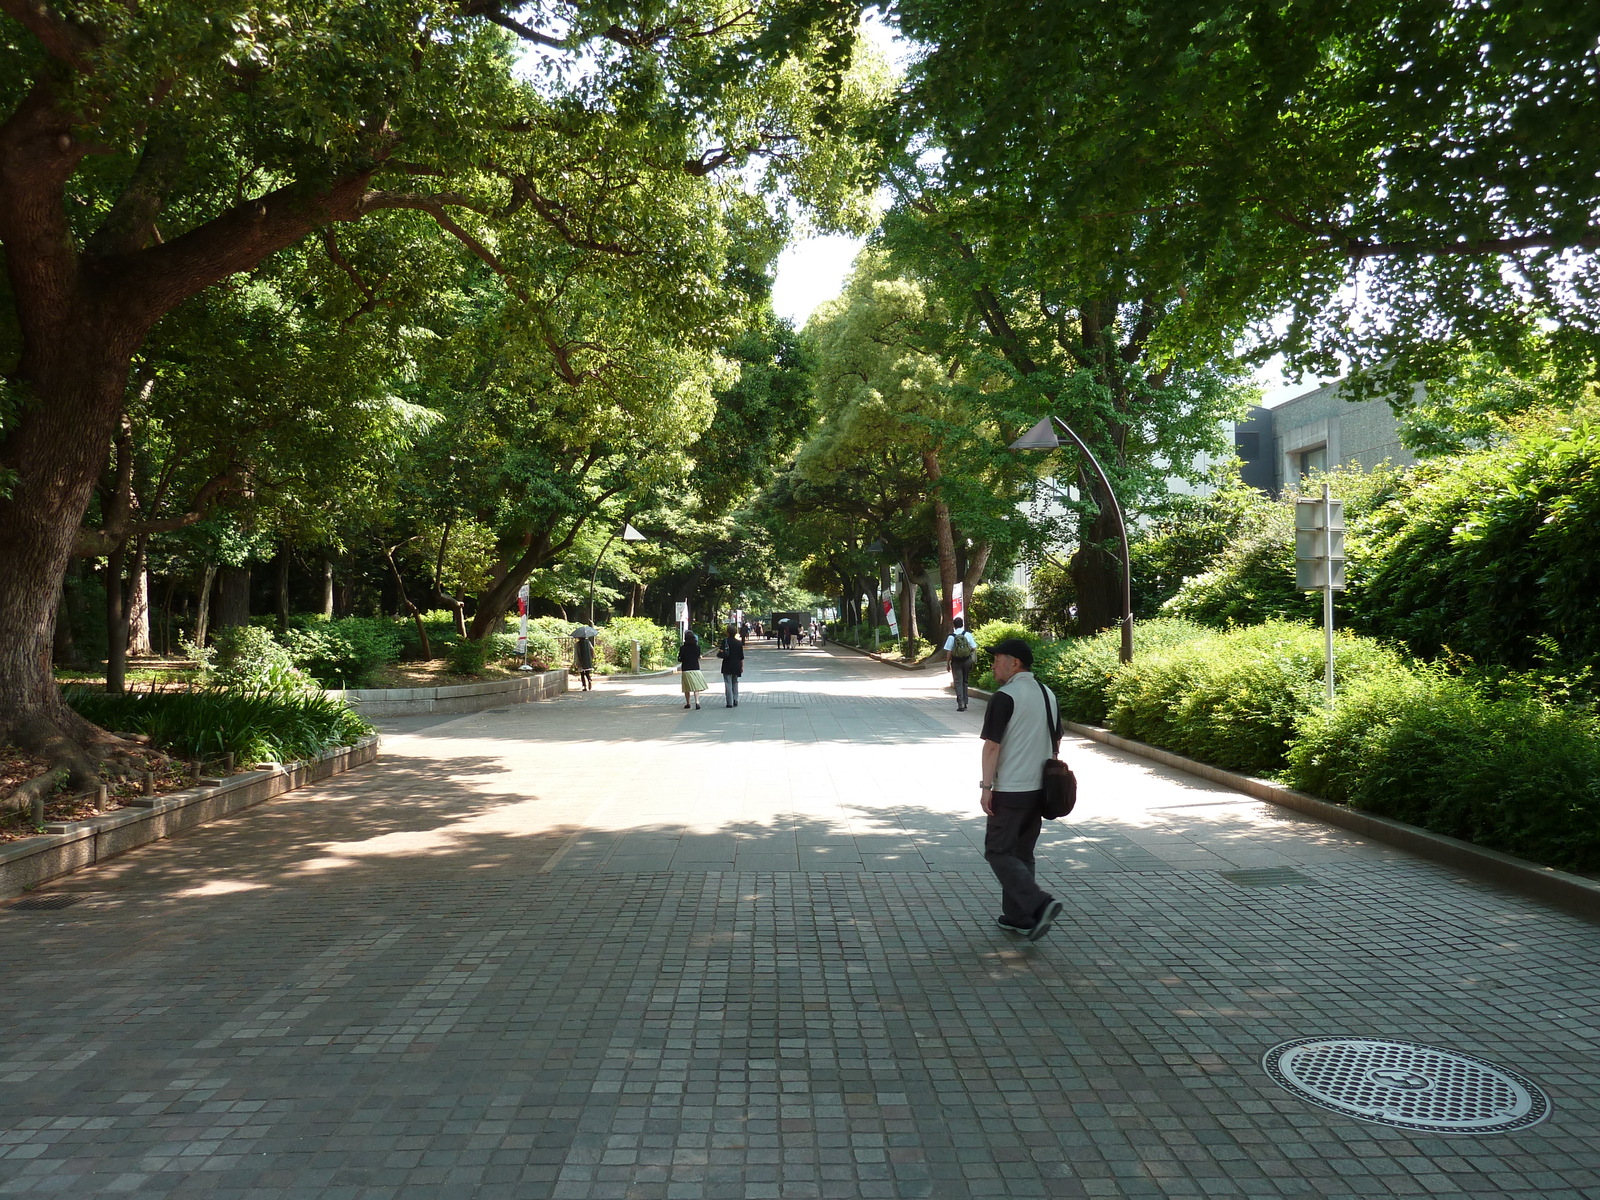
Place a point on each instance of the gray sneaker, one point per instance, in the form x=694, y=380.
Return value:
x=1047, y=918
x=1019, y=930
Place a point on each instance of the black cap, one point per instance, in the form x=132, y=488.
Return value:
x=1017, y=649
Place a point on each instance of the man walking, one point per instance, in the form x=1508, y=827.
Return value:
x=1018, y=736
x=960, y=646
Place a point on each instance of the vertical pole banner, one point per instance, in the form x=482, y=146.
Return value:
x=889, y=615
x=522, y=623
x=958, y=602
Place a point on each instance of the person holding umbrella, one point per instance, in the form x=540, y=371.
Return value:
x=583, y=654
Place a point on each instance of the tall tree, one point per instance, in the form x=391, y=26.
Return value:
x=148, y=152
x=1397, y=178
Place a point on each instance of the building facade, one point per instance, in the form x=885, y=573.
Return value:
x=1280, y=446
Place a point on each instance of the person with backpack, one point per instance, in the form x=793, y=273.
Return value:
x=961, y=646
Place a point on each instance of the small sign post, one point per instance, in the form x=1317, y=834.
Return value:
x=1319, y=560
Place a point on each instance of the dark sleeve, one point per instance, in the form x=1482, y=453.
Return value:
x=997, y=717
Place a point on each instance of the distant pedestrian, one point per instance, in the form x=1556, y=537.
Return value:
x=731, y=651
x=961, y=647
x=1018, y=736
x=583, y=660
x=689, y=663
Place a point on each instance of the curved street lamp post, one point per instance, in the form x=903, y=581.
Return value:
x=1043, y=437
x=628, y=534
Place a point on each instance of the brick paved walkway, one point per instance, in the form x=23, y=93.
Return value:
x=603, y=947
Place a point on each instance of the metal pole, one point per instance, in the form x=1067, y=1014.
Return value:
x=1327, y=590
x=1126, y=653
x=595, y=574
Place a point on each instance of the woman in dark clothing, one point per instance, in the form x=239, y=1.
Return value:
x=731, y=651
x=583, y=660
x=689, y=663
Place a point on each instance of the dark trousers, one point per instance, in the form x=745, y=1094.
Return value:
x=1008, y=848
x=961, y=672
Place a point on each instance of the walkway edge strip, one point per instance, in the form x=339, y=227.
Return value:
x=1573, y=893
x=72, y=846
x=888, y=662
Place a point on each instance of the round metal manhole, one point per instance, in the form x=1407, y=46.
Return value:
x=1407, y=1085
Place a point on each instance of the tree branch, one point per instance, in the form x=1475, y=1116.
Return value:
x=62, y=40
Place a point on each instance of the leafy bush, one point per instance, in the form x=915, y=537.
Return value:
x=1492, y=554
x=988, y=637
x=1234, y=698
x=467, y=657
x=206, y=724
x=1515, y=773
x=345, y=653
x=249, y=659
x=995, y=602
x=658, y=644
x=1079, y=670
x=547, y=639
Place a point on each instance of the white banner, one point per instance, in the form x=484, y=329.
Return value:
x=958, y=602
x=888, y=613
x=682, y=607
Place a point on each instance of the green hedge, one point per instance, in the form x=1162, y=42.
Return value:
x=253, y=727
x=1080, y=669
x=1234, y=698
x=1496, y=761
x=1515, y=773
x=658, y=644
x=346, y=653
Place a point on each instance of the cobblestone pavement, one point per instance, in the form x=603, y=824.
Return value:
x=604, y=947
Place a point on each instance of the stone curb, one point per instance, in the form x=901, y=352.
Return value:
x=1574, y=893
x=71, y=846
x=888, y=662
x=459, y=698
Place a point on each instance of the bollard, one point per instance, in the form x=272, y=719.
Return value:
x=227, y=763
x=636, y=658
x=149, y=783
x=38, y=811
x=101, y=795
x=194, y=769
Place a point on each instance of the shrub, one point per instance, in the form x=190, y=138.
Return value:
x=255, y=727
x=547, y=639
x=658, y=644
x=345, y=653
x=467, y=657
x=995, y=602
x=1492, y=554
x=991, y=635
x=1079, y=670
x=1234, y=698
x=1513, y=772
x=250, y=660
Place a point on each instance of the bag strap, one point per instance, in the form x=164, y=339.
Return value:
x=1052, y=716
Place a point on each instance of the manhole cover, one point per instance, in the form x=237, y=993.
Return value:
x=44, y=903
x=1266, y=877
x=1407, y=1085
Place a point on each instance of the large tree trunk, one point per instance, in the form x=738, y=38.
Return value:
x=908, y=602
x=202, y=618
x=233, y=596
x=327, y=588
x=66, y=650
x=1097, y=575
x=283, y=590
x=139, y=645
x=977, y=563
x=57, y=449
x=945, y=537
x=116, y=624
